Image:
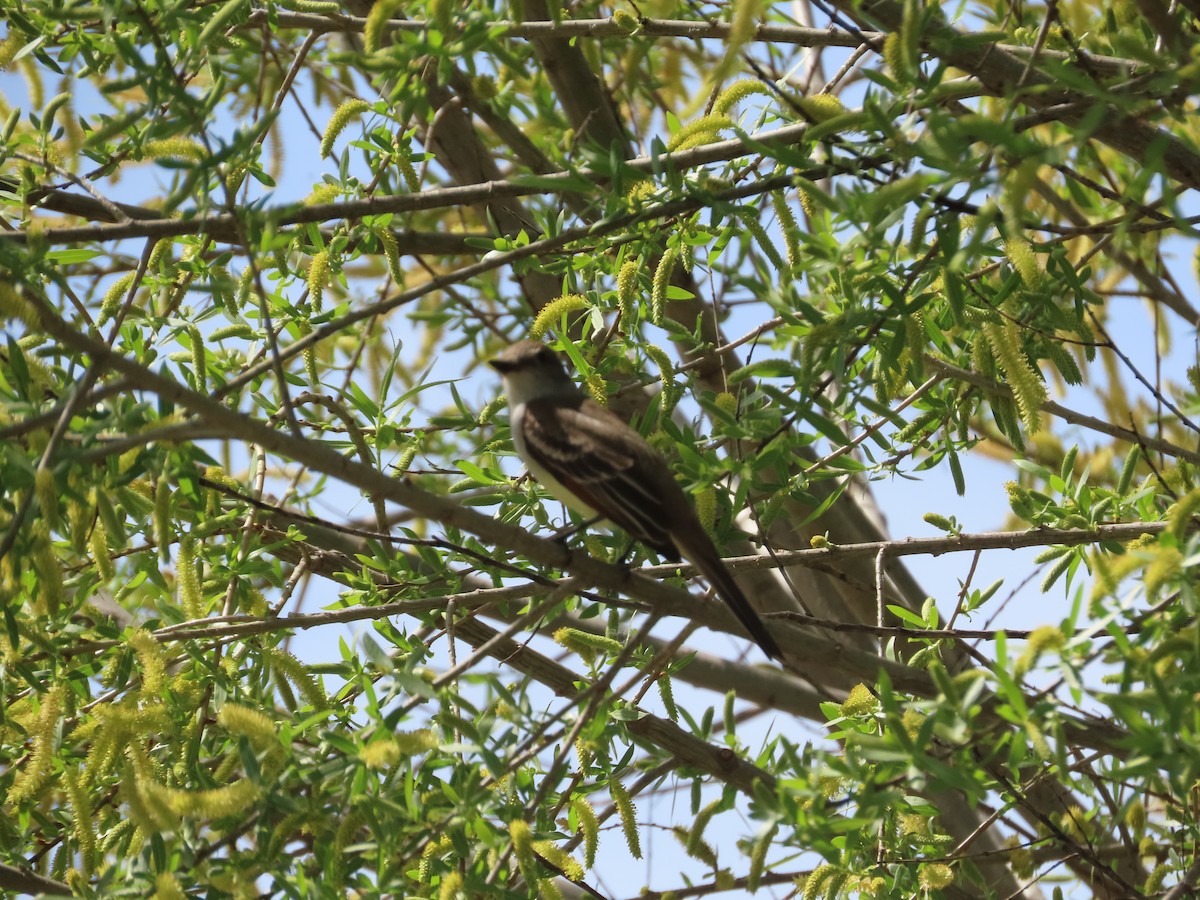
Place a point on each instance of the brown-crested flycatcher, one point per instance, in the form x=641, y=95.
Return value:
x=596, y=464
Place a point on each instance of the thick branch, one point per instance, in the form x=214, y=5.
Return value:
x=23, y=881
x=582, y=181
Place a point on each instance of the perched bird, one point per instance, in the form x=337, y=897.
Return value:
x=596, y=464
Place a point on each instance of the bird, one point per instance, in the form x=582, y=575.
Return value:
x=595, y=463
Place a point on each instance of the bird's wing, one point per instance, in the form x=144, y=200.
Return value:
x=595, y=456
x=611, y=468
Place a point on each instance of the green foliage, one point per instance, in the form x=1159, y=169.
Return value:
x=275, y=610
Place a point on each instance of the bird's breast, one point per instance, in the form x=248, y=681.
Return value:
x=540, y=473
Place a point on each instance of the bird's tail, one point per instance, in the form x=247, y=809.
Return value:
x=701, y=553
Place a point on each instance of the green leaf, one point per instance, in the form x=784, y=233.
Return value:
x=71, y=256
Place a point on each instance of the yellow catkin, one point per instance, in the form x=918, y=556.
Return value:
x=758, y=858
x=1135, y=817
x=825, y=880
x=151, y=658
x=789, y=228
x=627, y=285
x=320, y=7
x=935, y=876
x=252, y=724
x=15, y=306
x=667, y=693
x=403, y=159
x=595, y=386
x=894, y=57
x=318, y=277
x=322, y=194
x=239, y=330
x=114, y=525
x=216, y=803
x=376, y=24
x=1056, y=571
x=522, y=841
x=910, y=39
x=1164, y=566
x=410, y=743
x=1037, y=740
x=1029, y=391
x=229, y=765
x=451, y=887
x=114, y=297
x=736, y=93
x=1018, y=186
x=639, y=194
x=697, y=849
x=48, y=568
x=585, y=643
x=628, y=813
x=26, y=343
x=11, y=45
x=1020, y=253
x=35, y=87
x=174, y=148
x=434, y=848
x=671, y=392
x=309, y=354
x=589, y=827
x=199, y=360
x=485, y=87
x=37, y=767
x=291, y=825
x=1180, y=515
x=706, y=508
x=82, y=823
x=1108, y=572
x=727, y=403
x=807, y=203
x=287, y=666
x=554, y=311
x=662, y=281
x=764, y=242
x=101, y=552
x=821, y=107
x=341, y=117
x=167, y=888
x=391, y=252
x=704, y=130
x=191, y=595
x=1064, y=361
x=583, y=752
x=695, y=834
x=380, y=754
x=114, y=836
x=1156, y=879
x=47, y=497
x=860, y=702
x=245, y=289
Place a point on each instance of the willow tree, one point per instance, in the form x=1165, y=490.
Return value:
x=281, y=614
